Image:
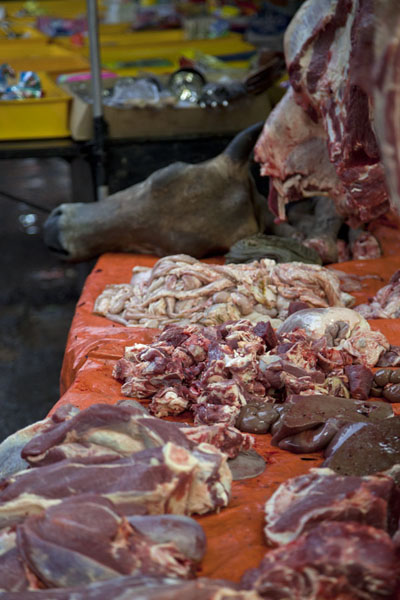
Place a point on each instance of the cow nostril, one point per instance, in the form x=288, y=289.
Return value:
x=51, y=233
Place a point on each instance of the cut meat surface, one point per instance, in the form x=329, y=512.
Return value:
x=65, y=546
x=386, y=302
x=333, y=560
x=145, y=588
x=321, y=495
x=326, y=113
x=226, y=438
x=292, y=150
x=166, y=479
x=99, y=433
x=239, y=364
x=384, y=83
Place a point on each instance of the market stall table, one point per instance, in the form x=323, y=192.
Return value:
x=235, y=534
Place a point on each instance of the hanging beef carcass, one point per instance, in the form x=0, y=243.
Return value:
x=320, y=137
x=385, y=85
x=197, y=209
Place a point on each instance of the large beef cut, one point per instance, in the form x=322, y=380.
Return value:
x=384, y=81
x=320, y=139
x=166, y=479
x=11, y=460
x=104, y=432
x=99, y=433
x=84, y=539
x=143, y=588
x=303, y=502
x=334, y=560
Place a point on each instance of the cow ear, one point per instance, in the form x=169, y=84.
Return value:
x=242, y=145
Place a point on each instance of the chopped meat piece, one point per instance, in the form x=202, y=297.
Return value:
x=333, y=560
x=390, y=358
x=226, y=392
x=366, y=346
x=283, y=374
x=360, y=381
x=366, y=246
x=168, y=401
x=226, y=438
x=386, y=302
x=321, y=495
x=209, y=414
x=241, y=364
x=265, y=331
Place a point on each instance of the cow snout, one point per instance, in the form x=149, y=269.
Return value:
x=51, y=232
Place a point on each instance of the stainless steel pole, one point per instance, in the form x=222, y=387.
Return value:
x=99, y=125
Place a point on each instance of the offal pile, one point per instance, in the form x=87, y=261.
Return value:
x=181, y=289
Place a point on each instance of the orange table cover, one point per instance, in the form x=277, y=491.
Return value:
x=235, y=538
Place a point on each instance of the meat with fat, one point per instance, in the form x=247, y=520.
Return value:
x=165, y=479
x=333, y=560
x=64, y=546
x=324, y=46
x=145, y=588
x=302, y=502
x=386, y=302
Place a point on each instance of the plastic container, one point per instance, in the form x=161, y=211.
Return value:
x=34, y=118
x=127, y=37
x=43, y=57
x=122, y=35
x=54, y=8
x=164, y=58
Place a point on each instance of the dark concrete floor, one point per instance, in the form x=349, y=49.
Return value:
x=38, y=292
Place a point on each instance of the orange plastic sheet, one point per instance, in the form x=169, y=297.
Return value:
x=235, y=539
